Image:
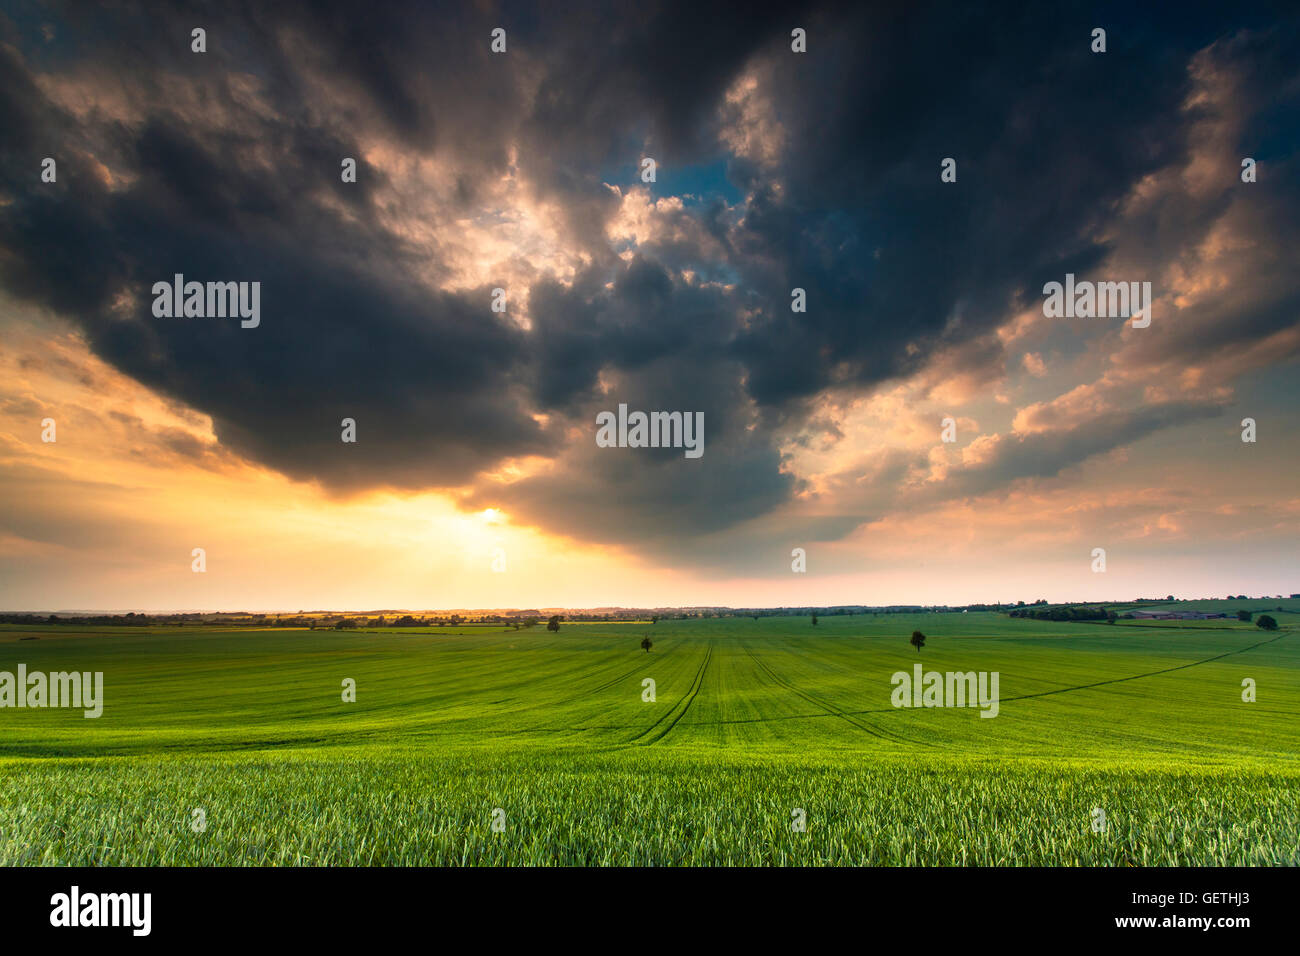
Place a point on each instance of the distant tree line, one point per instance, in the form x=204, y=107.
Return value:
x=1064, y=613
x=132, y=619
x=318, y=620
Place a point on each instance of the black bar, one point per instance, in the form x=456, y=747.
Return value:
x=971, y=906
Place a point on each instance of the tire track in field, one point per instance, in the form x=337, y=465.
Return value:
x=825, y=711
x=1166, y=670
x=609, y=683
x=830, y=709
x=552, y=704
x=582, y=696
x=684, y=703
x=1045, y=693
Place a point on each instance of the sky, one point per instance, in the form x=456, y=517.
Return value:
x=476, y=478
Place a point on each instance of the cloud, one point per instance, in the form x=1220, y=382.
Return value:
x=777, y=170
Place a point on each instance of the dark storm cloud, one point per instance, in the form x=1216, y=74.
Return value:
x=630, y=74
x=897, y=265
x=644, y=318
x=656, y=496
x=1046, y=137
x=429, y=377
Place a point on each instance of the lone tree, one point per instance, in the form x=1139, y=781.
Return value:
x=1267, y=622
x=918, y=641
x=646, y=643
x=814, y=617
x=554, y=623
x=1243, y=615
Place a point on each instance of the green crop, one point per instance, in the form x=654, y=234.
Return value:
x=756, y=725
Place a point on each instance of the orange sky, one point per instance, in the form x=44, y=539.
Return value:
x=106, y=517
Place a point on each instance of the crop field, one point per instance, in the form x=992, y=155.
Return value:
x=768, y=742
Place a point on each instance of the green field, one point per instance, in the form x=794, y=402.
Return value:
x=753, y=719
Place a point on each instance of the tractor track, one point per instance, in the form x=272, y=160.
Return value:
x=830, y=709
x=684, y=703
x=827, y=710
x=1044, y=693
x=1166, y=670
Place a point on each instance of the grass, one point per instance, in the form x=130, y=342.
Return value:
x=753, y=719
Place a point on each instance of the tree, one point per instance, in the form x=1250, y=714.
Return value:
x=646, y=643
x=654, y=619
x=1110, y=617
x=1266, y=622
x=554, y=623
x=814, y=617
x=1243, y=615
x=918, y=641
